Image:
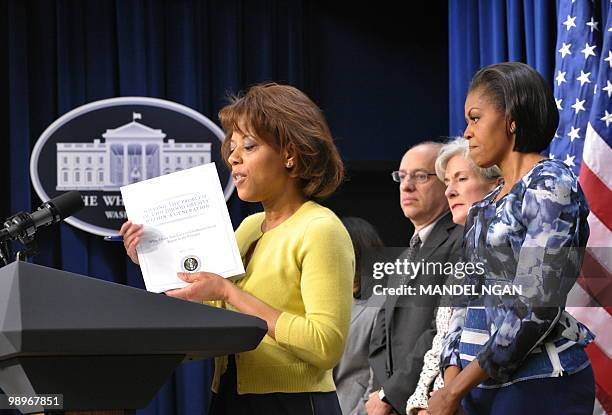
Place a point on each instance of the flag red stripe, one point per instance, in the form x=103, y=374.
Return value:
x=598, y=195
x=596, y=281
x=602, y=366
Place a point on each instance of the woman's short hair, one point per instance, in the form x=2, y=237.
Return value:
x=459, y=146
x=523, y=95
x=286, y=119
x=364, y=236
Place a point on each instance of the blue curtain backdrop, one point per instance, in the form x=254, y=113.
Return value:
x=384, y=79
x=482, y=32
x=64, y=54
x=381, y=87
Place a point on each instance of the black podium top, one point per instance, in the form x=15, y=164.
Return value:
x=103, y=345
x=48, y=311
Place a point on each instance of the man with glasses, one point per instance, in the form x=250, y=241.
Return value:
x=405, y=325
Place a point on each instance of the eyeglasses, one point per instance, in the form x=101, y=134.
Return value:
x=419, y=176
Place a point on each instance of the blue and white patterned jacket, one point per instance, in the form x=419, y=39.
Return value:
x=532, y=238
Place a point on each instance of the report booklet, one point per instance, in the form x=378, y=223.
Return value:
x=187, y=227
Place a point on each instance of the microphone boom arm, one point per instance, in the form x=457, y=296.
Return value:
x=25, y=231
x=23, y=226
x=5, y=252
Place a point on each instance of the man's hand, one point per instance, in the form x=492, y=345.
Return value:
x=374, y=406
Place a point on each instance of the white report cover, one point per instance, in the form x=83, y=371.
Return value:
x=187, y=227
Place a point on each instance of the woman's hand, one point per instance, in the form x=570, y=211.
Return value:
x=450, y=373
x=131, y=233
x=442, y=403
x=203, y=286
x=446, y=401
x=206, y=286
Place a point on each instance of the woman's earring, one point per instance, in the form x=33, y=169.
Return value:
x=289, y=164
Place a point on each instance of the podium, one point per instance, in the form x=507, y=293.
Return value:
x=101, y=345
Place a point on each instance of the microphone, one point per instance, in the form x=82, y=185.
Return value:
x=23, y=225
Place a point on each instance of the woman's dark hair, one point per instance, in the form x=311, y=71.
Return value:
x=364, y=236
x=286, y=119
x=527, y=100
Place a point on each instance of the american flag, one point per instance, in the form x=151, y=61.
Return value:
x=583, y=92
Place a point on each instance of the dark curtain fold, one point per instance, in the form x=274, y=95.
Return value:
x=482, y=32
x=66, y=53
x=382, y=89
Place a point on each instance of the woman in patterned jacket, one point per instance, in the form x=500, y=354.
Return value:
x=519, y=351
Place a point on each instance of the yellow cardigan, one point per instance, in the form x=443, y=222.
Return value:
x=304, y=267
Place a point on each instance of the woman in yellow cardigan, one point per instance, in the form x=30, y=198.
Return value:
x=298, y=257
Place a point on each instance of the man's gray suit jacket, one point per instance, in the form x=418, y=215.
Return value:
x=405, y=325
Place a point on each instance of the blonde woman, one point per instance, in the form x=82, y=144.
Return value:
x=466, y=184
